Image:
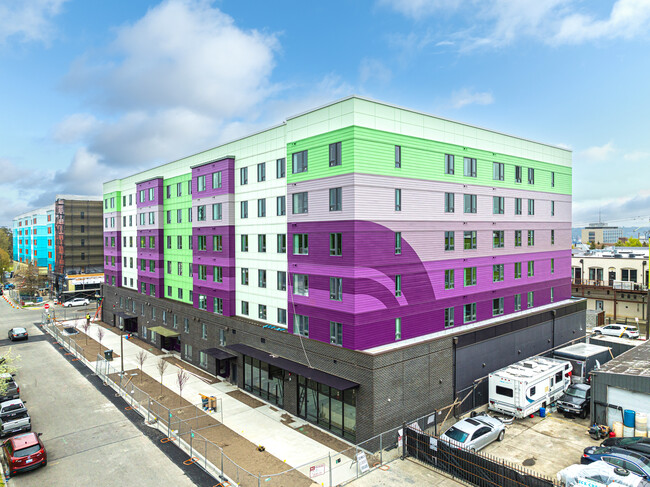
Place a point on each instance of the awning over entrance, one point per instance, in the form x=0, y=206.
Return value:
x=218, y=353
x=164, y=331
x=296, y=368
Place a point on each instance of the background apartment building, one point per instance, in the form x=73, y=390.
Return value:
x=350, y=255
x=33, y=239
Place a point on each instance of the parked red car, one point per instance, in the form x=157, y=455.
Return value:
x=24, y=452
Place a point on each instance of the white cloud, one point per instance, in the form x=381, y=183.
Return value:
x=28, y=20
x=75, y=127
x=636, y=156
x=464, y=97
x=597, y=153
x=374, y=71
x=417, y=9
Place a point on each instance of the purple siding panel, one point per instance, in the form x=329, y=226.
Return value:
x=368, y=267
x=109, y=269
x=156, y=254
x=157, y=184
x=227, y=168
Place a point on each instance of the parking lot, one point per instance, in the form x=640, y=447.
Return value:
x=89, y=441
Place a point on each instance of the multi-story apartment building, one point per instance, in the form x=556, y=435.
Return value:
x=65, y=241
x=614, y=281
x=357, y=265
x=33, y=239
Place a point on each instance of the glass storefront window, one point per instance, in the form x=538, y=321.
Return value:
x=264, y=380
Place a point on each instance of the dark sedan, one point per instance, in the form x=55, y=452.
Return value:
x=636, y=444
x=18, y=334
x=618, y=457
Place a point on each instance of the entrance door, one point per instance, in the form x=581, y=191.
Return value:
x=612, y=277
x=577, y=274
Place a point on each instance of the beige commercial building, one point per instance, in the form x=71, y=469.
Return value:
x=600, y=233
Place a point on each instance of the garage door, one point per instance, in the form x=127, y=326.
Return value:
x=636, y=401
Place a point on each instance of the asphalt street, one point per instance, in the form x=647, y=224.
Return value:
x=90, y=438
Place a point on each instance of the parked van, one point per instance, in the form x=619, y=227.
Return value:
x=523, y=388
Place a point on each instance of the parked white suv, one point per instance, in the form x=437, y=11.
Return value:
x=76, y=302
x=623, y=331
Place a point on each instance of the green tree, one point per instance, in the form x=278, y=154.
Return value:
x=6, y=240
x=5, y=263
x=630, y=242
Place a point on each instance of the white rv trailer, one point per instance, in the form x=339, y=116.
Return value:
x=523, y=388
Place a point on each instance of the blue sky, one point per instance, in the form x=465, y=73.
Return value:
x=91, y=90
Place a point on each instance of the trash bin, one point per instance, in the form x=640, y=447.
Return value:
x=108, y=355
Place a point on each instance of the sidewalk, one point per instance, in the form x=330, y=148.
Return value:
x=261, y=425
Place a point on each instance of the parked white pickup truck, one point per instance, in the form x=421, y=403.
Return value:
x=14, y=417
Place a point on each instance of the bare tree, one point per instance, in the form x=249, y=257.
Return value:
x=161, y=365
x=181, y=379
x=100, y=337
x=85, y=326
x=141, y=358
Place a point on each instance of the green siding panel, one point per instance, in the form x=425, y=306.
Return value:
x=369, y=151
x=118, y=201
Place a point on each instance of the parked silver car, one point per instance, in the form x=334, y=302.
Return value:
x=475, y=433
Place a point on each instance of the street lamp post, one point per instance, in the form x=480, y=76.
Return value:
x=122, y=349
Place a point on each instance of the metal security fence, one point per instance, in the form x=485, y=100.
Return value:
x=475, y=468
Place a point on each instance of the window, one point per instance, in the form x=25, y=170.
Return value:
x=470, y=276
x=552, y=295
x=282, y=243
x=216, y=180
x=398, y=200
x=336, y=199
x=449, y=279
x=497, y=306
x=243, y=176
x=552, y=266
x=469, y=240
x=299, y=162
x=336, y=333
x=449, y=240
x=244, y=308
x=202, y=272
x=531, y=207
x=261, y=278
x=336, y=288
x=449, y=164
x=179, y=216
x=517, y=206
x=301, y=284
x=469, y=165
x=398, y=285
x=282, y=316
x=169, y=216
x=217, y=273
x=398, y=156
x=152, y=195
x=152, y=266
x=552, y=179
x=497, y=239
x=301, y=325
x=531, y=268
x=261, y=311
x=216, y=211
x=517, y=238
x=200, y=183
x=335, y=154
x=280, y=168
x=336, y=248
x=243, y=209
x=531, y=299
x=498, y=205
x=281, y=281
x=517, y=174
x=261, y=207
x=398, y=243
x=203, y=359
x=449, y=317
x=261, y=243
x=179, y=189
x=469, y=203
x=201, y=242
x=552, y=208
x=300, y=203
x=217, y=243
x=517, y=302
x=152, y=220
x=244, y=276
x=261, y=172
x=531, y=238
x=300, y=244
x=469, y=313
x=200, y=213
x=531, y=175
x=244, y=243
x=498, y=171
x=449, y=202
x=517, y=270
x=188, y=352
x=281, y=203
x=204, y=331
x=497, y=272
